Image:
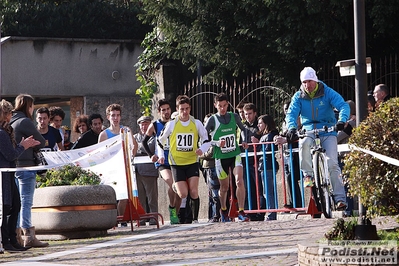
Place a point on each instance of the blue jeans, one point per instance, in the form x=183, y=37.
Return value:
x=329, y=143
x=26, y=181
x=270, y=195
x=213, y=192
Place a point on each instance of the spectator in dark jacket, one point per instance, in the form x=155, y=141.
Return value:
x=381, y=94
x=90, y=137
x=267, y=127
x=146, y=173
x=9, y=151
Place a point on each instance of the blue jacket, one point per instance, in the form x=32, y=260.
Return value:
x=319, y=111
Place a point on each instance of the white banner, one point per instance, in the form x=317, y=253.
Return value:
x=104, y=158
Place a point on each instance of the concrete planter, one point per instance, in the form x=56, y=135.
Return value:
x=67, y=212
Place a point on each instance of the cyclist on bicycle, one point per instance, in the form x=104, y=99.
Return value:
x=314, y=103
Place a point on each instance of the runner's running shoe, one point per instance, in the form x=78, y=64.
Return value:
x=173, y=216
x=308, y=181
x=242, y=217
x=224, y=216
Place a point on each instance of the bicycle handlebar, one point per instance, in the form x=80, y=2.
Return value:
x=303, y=132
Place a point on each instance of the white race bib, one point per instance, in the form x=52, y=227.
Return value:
x=185, y=142
x=230, y=144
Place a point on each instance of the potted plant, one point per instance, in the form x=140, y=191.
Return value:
x=71, y=203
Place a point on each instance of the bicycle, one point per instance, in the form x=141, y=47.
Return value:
x=322, y=189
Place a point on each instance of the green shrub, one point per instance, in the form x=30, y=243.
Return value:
x=392, y=234
x=69, y=174
x=94, y=19
x=145, y=72
x=375, y=181
x=342, y=230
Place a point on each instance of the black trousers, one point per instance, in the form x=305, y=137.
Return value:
x=10, y=217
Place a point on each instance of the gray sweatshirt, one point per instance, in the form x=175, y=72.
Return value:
x=24, y=127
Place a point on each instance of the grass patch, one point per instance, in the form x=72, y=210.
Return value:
x=391, y=234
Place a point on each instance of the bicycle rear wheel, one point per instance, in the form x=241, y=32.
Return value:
x=322, y=184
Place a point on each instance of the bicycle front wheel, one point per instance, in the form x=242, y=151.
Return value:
x=322, y=184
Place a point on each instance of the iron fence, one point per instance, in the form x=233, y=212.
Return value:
x=256, y=88
x=260, y=88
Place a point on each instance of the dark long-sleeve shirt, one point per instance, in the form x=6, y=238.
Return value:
x=8, y=155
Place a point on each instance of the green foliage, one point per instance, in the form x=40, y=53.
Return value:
x=388, y=234
x=145, y=72
x=146, y=91
x=374, y=181
x=237, y=36
x=69, y=174
x=381, y=16
x=96, y=19
x=342, y=230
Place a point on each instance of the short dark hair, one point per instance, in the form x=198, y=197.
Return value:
x=162, y=102
x=182, y=99
x=95, y=116
x=43, y=110
x=221, y=97
x=56, y=110
x=250, y=106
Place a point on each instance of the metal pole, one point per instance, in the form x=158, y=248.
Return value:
x=365, y=230
x=360, y=61
x=360, y=72
x=201, y=97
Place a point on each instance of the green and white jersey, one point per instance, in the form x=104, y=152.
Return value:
x=228, y=132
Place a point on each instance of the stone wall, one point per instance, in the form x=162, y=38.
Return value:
x=55, y=67
x=97, y=104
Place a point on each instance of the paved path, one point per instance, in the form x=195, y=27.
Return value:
x=251, y=243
